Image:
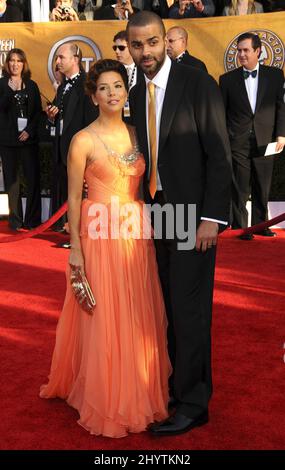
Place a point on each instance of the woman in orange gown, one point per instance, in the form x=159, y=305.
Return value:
x=112, y=366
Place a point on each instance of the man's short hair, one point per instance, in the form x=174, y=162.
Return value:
x=122, y=35
x=255, y=40
x=145, y=18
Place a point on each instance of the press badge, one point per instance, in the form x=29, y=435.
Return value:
x=60, y=126
x=22, y=124
x=127, y=109
x=52, y=131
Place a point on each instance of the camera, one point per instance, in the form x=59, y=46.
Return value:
x=64, y=10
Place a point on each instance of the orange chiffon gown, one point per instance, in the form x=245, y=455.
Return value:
x=113, y=366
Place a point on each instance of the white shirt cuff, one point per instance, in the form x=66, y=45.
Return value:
x=214, y=220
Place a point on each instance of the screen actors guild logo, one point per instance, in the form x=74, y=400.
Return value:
x=90, y=52
x=272, y=50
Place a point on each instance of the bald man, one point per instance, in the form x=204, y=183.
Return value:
x=70, y=112
x=177, y=38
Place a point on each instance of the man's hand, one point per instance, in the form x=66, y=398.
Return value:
x=183, y=4
x=280, y=143
x=206, y=235
x=23, y=136
x=56, y=14
x=51, y=112
x=122, y=7
x=71, y=15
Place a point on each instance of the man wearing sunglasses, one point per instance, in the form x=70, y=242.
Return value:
x=120, y=47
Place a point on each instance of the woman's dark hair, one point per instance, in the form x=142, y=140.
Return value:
x=102, y=66
x=26, y=73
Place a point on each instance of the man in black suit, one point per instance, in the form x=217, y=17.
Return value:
x=135, y=74
x=255, y=112
x=70, y=112
x=9, y=13
x=187, y=162
x=121, y=49
x=177, y=38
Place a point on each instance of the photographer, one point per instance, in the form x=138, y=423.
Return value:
x=192, y=9
x=63, y=11
x=86, y=8
x=121, y=10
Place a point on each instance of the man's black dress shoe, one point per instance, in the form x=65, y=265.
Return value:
x=267, y=233
x=246, y=236
x=178, y=424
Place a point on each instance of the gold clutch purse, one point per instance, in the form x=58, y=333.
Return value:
x=82, y=291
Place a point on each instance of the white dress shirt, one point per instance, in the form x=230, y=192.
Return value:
x=251, y=85
x=160, y=81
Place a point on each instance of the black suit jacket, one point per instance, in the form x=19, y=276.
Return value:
x=268, y=121
x=140, y=75
x=8, y=113
x=12, y=14
x=194, y=154
x=188, y=59
x=79, y=112
x=161, y=10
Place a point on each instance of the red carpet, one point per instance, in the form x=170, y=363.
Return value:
x=247, y=409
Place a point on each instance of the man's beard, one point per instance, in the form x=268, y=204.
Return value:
x=154, y=68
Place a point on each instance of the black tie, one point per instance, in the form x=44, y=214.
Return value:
x=68, y=80
x=246, y=74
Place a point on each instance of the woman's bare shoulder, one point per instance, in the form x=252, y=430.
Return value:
x=83, y=138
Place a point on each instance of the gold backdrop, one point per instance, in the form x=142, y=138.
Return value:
x=210, y=39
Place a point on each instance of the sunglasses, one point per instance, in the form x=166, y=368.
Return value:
x=121, y=48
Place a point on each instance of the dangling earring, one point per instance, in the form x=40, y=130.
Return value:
x=94, y=101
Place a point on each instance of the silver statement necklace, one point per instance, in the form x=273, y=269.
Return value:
x=124, y=158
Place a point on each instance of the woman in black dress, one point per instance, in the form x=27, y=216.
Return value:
x=20, y=108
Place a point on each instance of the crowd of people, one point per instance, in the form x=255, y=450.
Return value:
x=75, y=10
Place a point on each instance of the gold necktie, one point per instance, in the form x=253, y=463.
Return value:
x=169, y=3
x=152, y=137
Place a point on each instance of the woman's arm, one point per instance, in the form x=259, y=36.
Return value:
x=79, y=151
x=34, y=94
x=6, y=95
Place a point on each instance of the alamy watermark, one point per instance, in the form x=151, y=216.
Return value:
x=134, y=220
